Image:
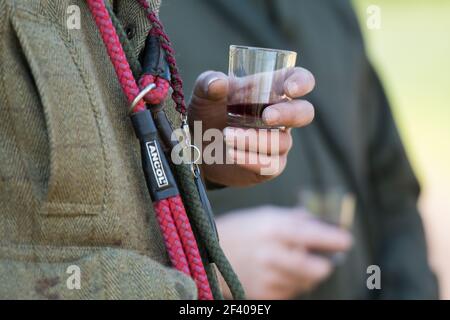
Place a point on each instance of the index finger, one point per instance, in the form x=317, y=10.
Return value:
x=315, y=235
x=299, y=83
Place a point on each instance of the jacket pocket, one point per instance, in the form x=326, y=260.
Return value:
x=44, y=272
x=77, y=179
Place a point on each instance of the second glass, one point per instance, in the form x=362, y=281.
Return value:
x=256, y=78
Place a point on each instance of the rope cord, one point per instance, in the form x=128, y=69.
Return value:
x=193, y=203
x=171, y=214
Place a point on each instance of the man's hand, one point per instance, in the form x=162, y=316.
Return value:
x=271, y=250
x=208, y=104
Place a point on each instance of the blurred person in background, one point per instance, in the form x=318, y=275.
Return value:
x=68, y=207
x=278, y=249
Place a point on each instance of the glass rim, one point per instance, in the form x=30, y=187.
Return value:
x=262, y=49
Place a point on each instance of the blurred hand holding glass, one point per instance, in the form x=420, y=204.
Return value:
x=256, y=80
x=335, y=206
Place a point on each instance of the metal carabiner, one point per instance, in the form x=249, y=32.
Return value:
x=141, y=96
x=191, y=147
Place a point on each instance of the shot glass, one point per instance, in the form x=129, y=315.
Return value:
x=335, y=206
x=256, y=79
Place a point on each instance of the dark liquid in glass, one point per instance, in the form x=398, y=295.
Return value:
x=250, y=110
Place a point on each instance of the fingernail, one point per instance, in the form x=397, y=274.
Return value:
x=271, y=116
x=292, y=88
x=210, y=82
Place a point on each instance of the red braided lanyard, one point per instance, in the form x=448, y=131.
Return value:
x=177, y=232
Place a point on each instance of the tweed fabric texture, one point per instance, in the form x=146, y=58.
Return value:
x=71, y=184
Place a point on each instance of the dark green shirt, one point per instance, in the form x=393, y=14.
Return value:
x=352, y=145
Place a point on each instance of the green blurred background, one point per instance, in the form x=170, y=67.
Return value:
x=411, y=52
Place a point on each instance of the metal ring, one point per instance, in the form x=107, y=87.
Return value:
x=199, y=155
x=141, y=95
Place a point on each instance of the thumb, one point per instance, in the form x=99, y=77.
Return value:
x=212, y=86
